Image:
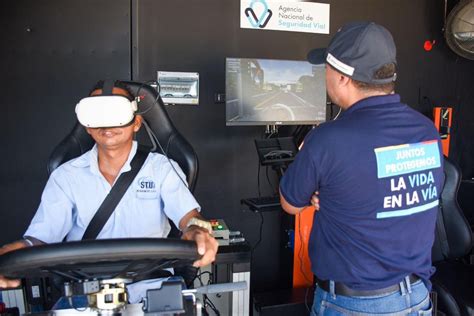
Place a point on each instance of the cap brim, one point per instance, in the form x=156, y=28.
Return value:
x=317, y=56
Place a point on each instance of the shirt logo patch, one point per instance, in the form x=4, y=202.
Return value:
x=146, y=185
x=408, y=170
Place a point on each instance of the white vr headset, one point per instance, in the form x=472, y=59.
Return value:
x=106, y=111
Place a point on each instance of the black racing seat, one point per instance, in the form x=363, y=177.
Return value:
x=454, y=277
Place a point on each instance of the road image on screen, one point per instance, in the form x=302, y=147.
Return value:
x=274, y=92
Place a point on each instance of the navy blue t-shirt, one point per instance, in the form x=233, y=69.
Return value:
x=378, y=170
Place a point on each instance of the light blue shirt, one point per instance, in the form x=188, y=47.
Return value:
x=76, y=189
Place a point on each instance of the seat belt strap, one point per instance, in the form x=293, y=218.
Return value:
x=115, y=195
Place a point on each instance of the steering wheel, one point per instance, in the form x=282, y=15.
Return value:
x=103, y=258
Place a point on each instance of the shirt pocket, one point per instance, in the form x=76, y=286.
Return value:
x=146, y=189
x=151, y=195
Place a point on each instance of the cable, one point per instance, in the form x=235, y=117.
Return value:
x=260, y=232
x=157, y=142
x=258, y=181
x=269, y=182
x=149, y=132
x=271, y=134
x=71, y=302
x=152, y=135
x=208, y=302
x=338, y=113
x=154, y=102
x=258, y=170
x=198, y=276
x=169, y=160
x=206, y=299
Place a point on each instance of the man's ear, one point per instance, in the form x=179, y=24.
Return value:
x=344, y=80
x=137, y=124
x=88, y=130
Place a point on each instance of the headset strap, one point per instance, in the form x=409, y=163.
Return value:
x=115, y=195
x=108, y=87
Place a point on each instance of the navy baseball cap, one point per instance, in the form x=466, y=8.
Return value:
x=357, y=50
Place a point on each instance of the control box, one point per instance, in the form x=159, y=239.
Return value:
x=220, y=231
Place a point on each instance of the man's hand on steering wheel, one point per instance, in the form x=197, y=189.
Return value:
x=194, y=227
x=4, y=282
x=206, y=244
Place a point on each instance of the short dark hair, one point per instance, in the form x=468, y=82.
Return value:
x=117, y=84
x=384, y=72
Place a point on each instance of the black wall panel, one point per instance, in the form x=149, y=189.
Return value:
x=52, y=53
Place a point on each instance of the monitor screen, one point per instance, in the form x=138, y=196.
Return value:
x=274, y=92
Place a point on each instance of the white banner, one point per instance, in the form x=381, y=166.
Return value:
x=290, y=16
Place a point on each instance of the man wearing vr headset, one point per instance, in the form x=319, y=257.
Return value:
x=76, y=189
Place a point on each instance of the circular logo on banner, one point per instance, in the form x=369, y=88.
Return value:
x=264, y=16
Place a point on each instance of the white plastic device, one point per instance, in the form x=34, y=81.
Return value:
x=105, y=111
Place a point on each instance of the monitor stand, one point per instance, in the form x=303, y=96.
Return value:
x=276, y=152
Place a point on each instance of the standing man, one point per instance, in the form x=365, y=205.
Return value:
x=76, y=189
x=378, y=173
